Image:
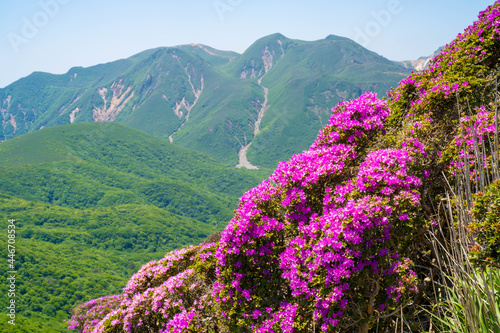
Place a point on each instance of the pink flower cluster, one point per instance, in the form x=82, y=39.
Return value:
x=281, y=320
x=156, y=271
x=88, y=315
x=165, y=301
x=164, y=296
x=295, y=240
x=353, y=120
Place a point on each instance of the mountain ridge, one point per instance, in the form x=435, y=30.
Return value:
x=217, y=102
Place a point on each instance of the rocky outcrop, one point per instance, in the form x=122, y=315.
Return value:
x=118, y=101
x=184, y=104
x=267, y=59
x=72, y=115
x=422, y=62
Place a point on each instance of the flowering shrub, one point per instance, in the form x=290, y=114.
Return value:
x=87, y=316
x=156, y=272
x=318, y=239
x=473, y=143
x=305, y=247
x=461, y=73
x=460, y=81
x=173, y=299
x=474, y=159
x=169, y=295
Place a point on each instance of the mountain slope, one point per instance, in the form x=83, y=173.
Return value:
x=422, y=62
x=309, y=79
x=269, y=101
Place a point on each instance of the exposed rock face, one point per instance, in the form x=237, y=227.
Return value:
x=4, y=109
x=184, y=104
x=267, y=59
x=72, y=115
x=12, y=121
x=422, y=62
x=7, y=118
x=118, y=101
x=242, y=158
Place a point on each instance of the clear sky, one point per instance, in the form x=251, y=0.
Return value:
x=55, y=35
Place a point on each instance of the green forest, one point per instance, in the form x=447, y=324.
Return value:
x=92, y=203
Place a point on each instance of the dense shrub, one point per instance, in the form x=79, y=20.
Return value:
x=318, y=236
x=305, y=247
x=168, y=295
x=486, y=225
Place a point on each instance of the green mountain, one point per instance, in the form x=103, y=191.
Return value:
x=262, y=105
x=95, y=201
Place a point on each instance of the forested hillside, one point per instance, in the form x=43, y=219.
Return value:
x=93, y=202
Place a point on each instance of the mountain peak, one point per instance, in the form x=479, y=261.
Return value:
x=276, y=35
x=334, y=37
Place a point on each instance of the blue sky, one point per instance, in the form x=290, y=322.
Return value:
x=55, y=35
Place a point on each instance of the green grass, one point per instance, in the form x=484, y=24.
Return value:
x=467, y=295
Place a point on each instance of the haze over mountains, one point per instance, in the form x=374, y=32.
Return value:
x=261, y=106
